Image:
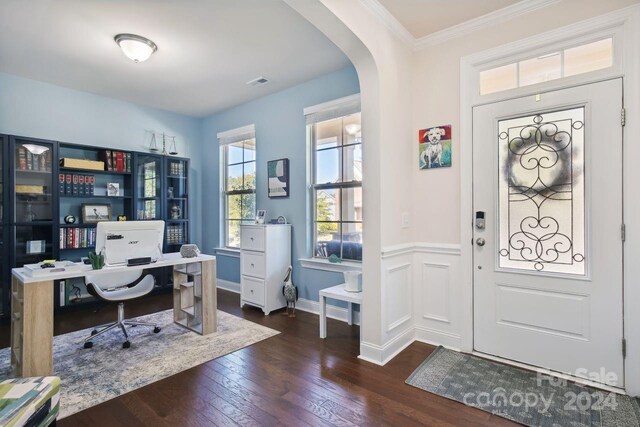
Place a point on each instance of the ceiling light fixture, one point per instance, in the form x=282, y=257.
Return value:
x=136, y=48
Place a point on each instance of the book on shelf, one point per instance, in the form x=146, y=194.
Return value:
x=90, y=180
x=61, y=183
x=106, y=157
x=22, y=158
x=29, y=160
x=77, y=237
x=128, y=162
x=81, y=185
x=120, y=161
x=75, y=185
x=68, y=186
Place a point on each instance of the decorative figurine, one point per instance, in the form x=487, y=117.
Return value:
x=175, y=212
x=170, y=192
x=290, y=292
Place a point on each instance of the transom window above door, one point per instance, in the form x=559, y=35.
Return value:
x=554, y=65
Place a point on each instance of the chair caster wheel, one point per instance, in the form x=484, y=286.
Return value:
x=95, y=331
x=88, y=344
x=126, y=344
x=156, y=329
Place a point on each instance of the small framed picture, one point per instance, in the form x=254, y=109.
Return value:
x=95, y=212
x=278, y=175
x=113, y=189
x=35, y=247
x=260, y=216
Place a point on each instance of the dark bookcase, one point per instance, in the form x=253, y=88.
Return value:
x=38, y=191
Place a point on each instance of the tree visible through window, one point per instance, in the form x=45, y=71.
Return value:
x=239, y=188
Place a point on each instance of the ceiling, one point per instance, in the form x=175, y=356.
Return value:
x=207, y=50
x=424, y=17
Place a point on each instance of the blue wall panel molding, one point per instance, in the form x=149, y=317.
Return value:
x=280, y=133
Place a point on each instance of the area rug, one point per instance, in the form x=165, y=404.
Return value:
x=92, y=376
x=520, y=395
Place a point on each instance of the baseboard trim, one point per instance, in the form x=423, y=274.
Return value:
x=381, y=355
x=333, y=312
x=436, y=337
x=228, y=285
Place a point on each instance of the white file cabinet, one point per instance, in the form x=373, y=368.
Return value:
x=265, y=255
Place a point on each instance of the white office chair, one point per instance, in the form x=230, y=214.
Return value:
x=119, y=287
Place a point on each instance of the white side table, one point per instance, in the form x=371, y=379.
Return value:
x=338, y=293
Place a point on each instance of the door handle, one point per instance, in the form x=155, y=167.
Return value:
x=480, y=241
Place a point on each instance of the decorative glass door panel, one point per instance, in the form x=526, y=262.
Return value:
x=149, y=185
x=33, y=182
x=541, y=186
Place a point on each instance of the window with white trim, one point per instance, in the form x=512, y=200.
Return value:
x=554, y=65
x=336, y=178
x=238, y=178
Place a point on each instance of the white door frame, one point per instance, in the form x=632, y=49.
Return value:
x=624, y=26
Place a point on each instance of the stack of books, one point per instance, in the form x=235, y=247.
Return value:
x=175, y=234
x=77, y=237
x=72, y=184
x=27, y=161
x=176, y=169
x=117, y=161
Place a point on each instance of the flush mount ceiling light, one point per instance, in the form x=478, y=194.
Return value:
x=137, y=48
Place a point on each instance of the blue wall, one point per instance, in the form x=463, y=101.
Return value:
x=280, y=132
x=41, y=110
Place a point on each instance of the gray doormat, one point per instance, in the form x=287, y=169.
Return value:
x=520, y=395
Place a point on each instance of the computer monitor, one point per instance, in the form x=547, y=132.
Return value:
x=120, y=241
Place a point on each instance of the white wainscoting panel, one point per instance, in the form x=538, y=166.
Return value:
x=396, y=294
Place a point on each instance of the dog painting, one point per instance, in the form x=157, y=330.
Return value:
x=435, y=147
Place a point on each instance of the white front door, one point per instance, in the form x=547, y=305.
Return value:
x=547, y=177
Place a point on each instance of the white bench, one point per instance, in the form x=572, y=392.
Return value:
x=337, y=293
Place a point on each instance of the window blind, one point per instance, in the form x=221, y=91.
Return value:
x=236, y=135
x=332, y=109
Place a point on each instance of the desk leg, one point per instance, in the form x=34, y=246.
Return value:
x=32, y=328
x=350, y=314
x=209, y=297
x=323, y=316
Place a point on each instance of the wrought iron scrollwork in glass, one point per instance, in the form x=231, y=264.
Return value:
x=541, y=192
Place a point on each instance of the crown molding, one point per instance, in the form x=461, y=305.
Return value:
x=459, y=30
x=390, y=22
x=481, y=22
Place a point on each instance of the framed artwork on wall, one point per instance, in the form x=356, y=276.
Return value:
x=434, y=147
x=278, y=178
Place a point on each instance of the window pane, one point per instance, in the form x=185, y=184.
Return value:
x=541, y=69
x=327, y=239
x=250, y=176
x=541, y=192
x=327, y=166
x=352, y=163
x=327, y=205
x=234, y=177
x=352, y=204
x=249, y=206
x=234, y=153
x=233, y=234
x=329, y=133
x=498, y=79
x=234, y=206
x=588, y=57
x=352, y=241
x=249, y=150
x=352, y=129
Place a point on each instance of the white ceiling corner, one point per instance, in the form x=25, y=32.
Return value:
x=464, y=28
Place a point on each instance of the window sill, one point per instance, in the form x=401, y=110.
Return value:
x=325, y=265
x=228, y=252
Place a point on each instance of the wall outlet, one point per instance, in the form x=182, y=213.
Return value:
x=405, y=222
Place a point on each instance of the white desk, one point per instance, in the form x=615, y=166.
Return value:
x=337, y=293
x=32, y=306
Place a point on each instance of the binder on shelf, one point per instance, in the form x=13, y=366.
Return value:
x=75, y=185
x=68, y=189
x=61, y=182
x=81, y=185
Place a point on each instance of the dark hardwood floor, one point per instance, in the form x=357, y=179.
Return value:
x=292, y=379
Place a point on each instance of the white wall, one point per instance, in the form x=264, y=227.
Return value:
x=436, y=101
